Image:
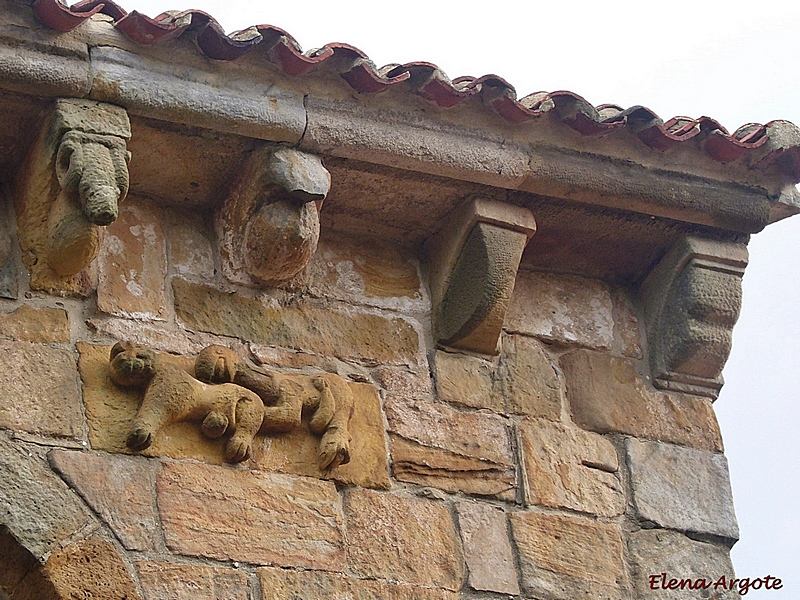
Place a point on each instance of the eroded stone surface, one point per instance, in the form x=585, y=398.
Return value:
x=656, y=551
x=606, y=395
x=42, y=325
x=627, y=332
x=429, y=447
x=566, y=467
x=410, y=540
x=365, y=271
x=567, y=309
x=315, y=327
x=132, y=279
x=119, y=489
x=467, y=381
x=530, y=382
x=265, y=519
x=40, y=390
x=490, y=560
x=38, y=508
x=278, y=584
x=682, y=488
x=189, y=582
x=190, y=250
x=564, y=558
x=91, y=568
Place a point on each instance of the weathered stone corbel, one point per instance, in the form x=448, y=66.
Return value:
x=70, y=185
x=691, y=301
x=472, y=265
x=268, y=227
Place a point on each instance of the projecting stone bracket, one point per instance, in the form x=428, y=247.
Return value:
x=472, y=265
x=70, y=186
x=268, y=227
x=691, y=301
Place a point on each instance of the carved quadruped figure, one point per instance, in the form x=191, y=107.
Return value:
x=172, y=395
x=326, y=398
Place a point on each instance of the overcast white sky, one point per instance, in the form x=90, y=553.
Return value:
x=734, y=61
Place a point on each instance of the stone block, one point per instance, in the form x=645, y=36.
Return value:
x=161, y=581
x=564, y=558
x=190, y=252
x=265, y=519
x=90, y=568
x=312, y=326
x=132, y=265
x=120, y=489
x=40, y=325
x=430, y=447
x=409, y=540
x=110, y=410
x=487, y=549
x=404, y=384
x=607, y=395
x=531, y=383
x=656, y=551
x=627, y=333
x=365, y=271
x=40, y=390
x=682, y=488
x=562, y=308
x=279, y=584
x=37, y=507
x=468, y=381
x=566, y=467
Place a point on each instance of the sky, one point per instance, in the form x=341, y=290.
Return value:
x=734, y=61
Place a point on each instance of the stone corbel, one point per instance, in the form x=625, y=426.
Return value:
x=268, y=226
x=472, y=265
x=691, y=301
x=69, y=186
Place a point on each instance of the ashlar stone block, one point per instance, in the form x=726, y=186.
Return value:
x=487, y=549
x=607, y=395
x=409, y=540
x=264, y=519
x=190, y=582
x=429, y=447
x=566, y=467
x=657, y=551
x=120, y=489
x=562, y=308
x=682, y=488
x=564, y=558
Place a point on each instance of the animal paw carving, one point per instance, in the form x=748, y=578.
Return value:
x=214, y=425
x=334, y=450
x=139, y=438
x=238, y=449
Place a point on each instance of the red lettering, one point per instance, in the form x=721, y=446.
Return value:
x=721, y=582
x=673, y=584
x=732, y=584
x=778, y=584
x=701, y=584
x=744, y=586
x=653, y=579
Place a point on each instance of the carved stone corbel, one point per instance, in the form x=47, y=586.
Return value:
x=268, y=227
x=691, y=301
x=472, y=265
x=70, y=185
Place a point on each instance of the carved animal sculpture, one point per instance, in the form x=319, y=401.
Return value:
x=326, y=398
x=172, y=395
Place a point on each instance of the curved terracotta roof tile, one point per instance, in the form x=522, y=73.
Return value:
x=761, y=146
